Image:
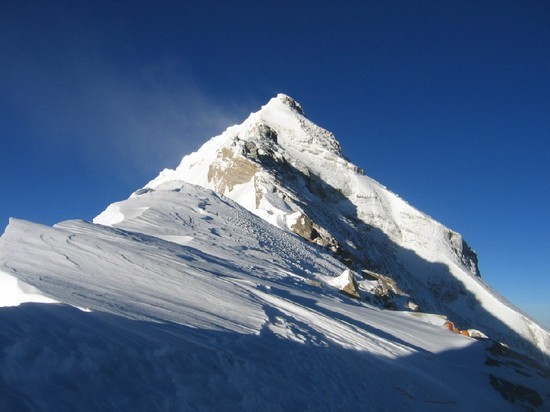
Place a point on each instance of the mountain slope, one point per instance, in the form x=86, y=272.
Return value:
x=180, y=298
x=292, y=173
x=207, y=306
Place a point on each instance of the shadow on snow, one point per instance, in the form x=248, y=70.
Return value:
x=431, y=284
x=56, y=357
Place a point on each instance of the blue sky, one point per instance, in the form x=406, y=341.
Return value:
x=445, y=103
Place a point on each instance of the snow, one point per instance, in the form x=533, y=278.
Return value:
x=13, y=292
x=234, y=313
x=113, y=214
x=341, y=281
x=96, y=361
x=198, y=300
x=419, y=252
x=244, y=195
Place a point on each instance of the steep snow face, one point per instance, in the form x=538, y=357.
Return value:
x=292, y=173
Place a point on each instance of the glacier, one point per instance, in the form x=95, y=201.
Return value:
x=218, y=285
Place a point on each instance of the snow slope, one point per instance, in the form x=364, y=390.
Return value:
x=180, y=298
x=284, y=168
x=210, y=307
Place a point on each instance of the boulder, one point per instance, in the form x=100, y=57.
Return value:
x=347, y=284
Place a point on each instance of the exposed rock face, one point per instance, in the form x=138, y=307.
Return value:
x=352, y=289
x=347, y=284
x=230, y=170
x=304, y=228
x=387, y=293
x=465, y=253
x=267, y=132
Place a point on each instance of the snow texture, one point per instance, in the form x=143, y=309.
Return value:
x=180, y=298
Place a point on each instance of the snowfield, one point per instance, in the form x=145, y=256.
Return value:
x=180, y=298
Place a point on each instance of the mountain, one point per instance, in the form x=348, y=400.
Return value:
x=265, y=271
x=292, y=173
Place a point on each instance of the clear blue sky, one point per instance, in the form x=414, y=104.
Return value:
x=446, y=103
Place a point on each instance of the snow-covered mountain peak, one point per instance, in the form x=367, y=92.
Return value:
x=286, y=100
x=292, y=173
x=278, y=133
x=288, y=125
x=188, y=289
